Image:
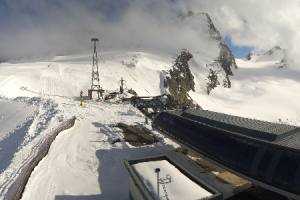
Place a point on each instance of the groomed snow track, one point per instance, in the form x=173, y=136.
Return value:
x=274, y=165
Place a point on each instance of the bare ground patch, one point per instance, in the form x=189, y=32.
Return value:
x=137, y=135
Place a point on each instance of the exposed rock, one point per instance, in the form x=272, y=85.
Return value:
x=216, y=76
x=226, y=58
x=180, y=81
x=131, y=91
x=273, y=50
x=137, y=135
x=249, y=56
x=213, y=81
x=221, y=68
x=276, y=54
x=227, y=82
x=283, y=63
x=213, y=31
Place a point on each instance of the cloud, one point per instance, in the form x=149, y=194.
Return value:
x=44, y=27
x=262, y=24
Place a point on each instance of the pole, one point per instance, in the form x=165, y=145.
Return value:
x=157, y=170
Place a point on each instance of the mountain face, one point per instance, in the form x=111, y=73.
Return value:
x=225, y=57
x=180, y=81
x=211, y=53
x=276, y=54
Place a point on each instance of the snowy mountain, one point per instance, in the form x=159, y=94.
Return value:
x=258, y=91
x=224, y=56
x=276, y=54
x=37, y=95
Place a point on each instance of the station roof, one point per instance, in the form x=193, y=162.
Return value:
x=250, y=127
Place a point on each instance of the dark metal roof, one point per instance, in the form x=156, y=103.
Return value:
x=249, y=127
x=291, y=141
x=266, y=153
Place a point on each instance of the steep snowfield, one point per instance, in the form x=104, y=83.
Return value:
x=274, y=54
x=77, y=158
x=259, y=90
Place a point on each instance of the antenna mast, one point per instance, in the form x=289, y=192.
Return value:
x=95, y=87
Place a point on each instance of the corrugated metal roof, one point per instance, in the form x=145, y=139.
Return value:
x=250, y=127
x=222, y=138
x=291, y=141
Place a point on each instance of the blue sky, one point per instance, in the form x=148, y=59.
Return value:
x=238, y=51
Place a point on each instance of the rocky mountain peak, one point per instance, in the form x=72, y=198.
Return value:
x=226, y=57
x=274, y=50
x=180, y=81
x=276, y=54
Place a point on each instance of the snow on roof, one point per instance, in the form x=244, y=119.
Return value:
x=175, y=189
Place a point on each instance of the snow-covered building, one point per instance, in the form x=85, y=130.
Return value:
x=174, y=171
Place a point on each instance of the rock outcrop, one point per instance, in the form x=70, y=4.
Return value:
x=180, y=81
x=276, y=54
x=226, y=58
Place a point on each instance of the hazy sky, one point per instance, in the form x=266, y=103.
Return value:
x=258, y=23
x=49, y=27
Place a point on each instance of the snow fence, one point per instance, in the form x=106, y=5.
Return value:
x=15, y=190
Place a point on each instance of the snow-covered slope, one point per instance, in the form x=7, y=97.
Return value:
x=259, y=90
x=24, y=121
x=275, y=54
x=80, y=160
x=60, y=80
x=15, y=120
x=67, y=76
x=254, y=85
x=13, y=113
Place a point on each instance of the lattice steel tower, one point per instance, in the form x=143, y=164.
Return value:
x=95, y=87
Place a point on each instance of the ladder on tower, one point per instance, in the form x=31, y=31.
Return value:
x=95, y=86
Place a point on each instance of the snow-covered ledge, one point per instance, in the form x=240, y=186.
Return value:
x=14, y=191
x=144, y=179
